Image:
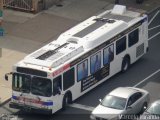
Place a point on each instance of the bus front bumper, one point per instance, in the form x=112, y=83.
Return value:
x=30, y=108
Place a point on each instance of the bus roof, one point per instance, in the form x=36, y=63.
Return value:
x=83, y=37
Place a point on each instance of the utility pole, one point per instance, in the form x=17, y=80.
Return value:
x=1, y=17
x=1, y=20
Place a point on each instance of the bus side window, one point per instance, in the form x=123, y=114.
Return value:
x=82, y=70
x=121, y=45
x=133, y=37
x=95, y=62
x=57, y=85
x=68, y=79
x=108, y=54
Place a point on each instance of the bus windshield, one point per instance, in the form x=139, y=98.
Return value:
x=41, y=86
x=21, y=83
x=35, y=85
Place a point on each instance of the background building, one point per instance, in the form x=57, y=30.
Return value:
x=30, y=5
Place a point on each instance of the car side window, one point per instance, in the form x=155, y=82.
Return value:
x=130, y=101
x=134, y=98
x=138, y=95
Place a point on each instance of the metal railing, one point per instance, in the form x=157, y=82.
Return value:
x=26, y=5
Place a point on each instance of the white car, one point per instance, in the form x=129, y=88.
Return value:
x=153, y=111
x=120, y=102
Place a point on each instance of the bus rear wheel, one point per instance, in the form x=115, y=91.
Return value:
x=125, y=64
x=67, y=100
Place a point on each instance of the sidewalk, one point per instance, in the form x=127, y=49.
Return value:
x=8, y=58
x=25, y=32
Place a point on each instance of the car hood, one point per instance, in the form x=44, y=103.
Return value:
x=105, y=112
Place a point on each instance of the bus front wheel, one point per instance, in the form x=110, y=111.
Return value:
x=125, y=63
x=67, y=100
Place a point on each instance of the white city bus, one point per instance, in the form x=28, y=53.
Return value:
x=79, y=60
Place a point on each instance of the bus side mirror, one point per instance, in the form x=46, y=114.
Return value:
x=59, y=91
x=6, y=77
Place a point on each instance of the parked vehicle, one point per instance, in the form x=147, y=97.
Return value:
x=121, y=101
x=152, y=112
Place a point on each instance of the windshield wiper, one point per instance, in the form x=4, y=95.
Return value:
x=37, y=92
x=108, y=106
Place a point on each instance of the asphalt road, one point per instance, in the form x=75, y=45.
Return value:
x=143, y=73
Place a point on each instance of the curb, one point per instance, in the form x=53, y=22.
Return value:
x=4, y=102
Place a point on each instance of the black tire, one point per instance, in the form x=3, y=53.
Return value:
x=125, y=64
x=139, y=1
x=67, y=100
x=144, y=107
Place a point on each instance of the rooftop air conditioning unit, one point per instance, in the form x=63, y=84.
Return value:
x=119, y=9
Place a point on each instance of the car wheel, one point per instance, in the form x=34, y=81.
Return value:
x=144, y=107
x=125, y=64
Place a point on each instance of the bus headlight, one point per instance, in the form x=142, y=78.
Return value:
x=13, y=100
x=44, y=107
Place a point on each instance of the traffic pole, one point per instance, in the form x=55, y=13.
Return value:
x=1, y=18
x=1, y=28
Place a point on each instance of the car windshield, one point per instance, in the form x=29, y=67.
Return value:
x=41, y=86
x=154, y=109
x=21, y=83
x=114, y=102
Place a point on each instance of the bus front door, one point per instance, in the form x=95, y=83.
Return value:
x=57, y=93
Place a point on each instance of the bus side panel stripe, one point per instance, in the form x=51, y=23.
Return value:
x=48, y=103
x=43, y=103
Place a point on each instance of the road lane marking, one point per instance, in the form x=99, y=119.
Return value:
x=153, y=18
x=89, y=108
x=80, y=106
x=154, y=36
x=144, y=80
x=154, y=27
